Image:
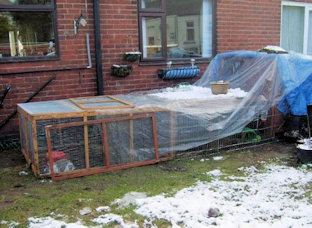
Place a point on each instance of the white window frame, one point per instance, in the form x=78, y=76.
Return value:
x=307, y=7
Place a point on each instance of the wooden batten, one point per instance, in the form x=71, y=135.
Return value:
x=172, y=133
x=86, y=142
x=26, y=137
x=35, y=144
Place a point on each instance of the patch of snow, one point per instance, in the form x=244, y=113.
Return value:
x=187, y=92
x=272, y=198
x=215, y=173
x=304, y=141
x=85, y=211
x=217, y=158
x=110, y=218
x=133, y=53
x=248, y=170
x=129, y=199
x=13, y=224
x=102, y=208
x=148, y=223
x=49, y=222
x=57, y=215
x=274, y=48
x=3, y=222
x=84, y=200
x=23, y=173
x=305, y=146
x=45, y=180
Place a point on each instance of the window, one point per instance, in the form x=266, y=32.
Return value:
x=176, y=29
x=296, y=28
x=27, y=30
x=190, y=31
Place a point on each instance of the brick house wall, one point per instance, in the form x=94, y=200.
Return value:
x=241, y=24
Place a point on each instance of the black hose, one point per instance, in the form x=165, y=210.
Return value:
x=6, y=120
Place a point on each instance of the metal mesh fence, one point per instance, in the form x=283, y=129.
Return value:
x=60, y=138
x=101, y=143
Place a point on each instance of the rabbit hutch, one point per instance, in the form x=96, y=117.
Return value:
x=82, y=136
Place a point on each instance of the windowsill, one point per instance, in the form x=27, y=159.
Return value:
x=189, y=42
x=174, y=62
x=28, y=59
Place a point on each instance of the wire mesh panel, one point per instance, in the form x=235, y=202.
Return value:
x=165, y=135
x=118, y=137
x=257, y=132
x=30, y=141
x=22, y=131
x=96, y=145
x=83, y=148
x=143, y=142
x=68, y=149
x=42, y=141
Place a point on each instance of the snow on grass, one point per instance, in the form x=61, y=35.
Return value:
x=272, y=198
x=9, y=224
x=102, y=208
x=129, y=199
x=49, y=222
x=110, y=218
x=186, y=92
x=215, y=173
x=217, y=158
x=102, y=220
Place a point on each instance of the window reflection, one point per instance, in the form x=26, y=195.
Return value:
x=189, y=28
x=25, y=34
x=152, y=44
x=25, y=2
x=150, y=4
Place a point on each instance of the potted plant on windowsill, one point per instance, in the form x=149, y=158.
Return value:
x=132, y=56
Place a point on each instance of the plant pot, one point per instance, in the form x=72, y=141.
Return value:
x=131, y=56
x=219, y=87
x=304, y=154
x=121, y=70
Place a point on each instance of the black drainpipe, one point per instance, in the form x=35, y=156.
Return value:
x=98, y=51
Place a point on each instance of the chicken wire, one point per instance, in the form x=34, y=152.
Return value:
x=81, y=151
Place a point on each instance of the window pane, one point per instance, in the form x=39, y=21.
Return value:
x=25, y=2
x=25, y=34
x=293, y=28
x=150, y=4
x=151, y=37
x=309, y=51
x=189, y=28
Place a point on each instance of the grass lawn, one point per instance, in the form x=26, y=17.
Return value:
x=22, y=197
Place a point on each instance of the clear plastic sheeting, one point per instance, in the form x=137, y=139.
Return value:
x=257, y=82
x=156, y=123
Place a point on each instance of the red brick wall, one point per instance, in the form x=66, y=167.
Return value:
x=241, y=24
x=248, y=24
x=119, y=25
x=72, y=54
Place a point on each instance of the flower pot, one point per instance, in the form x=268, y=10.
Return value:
x=121, y=70
x=304, y=153
x=219, y=87
x=131, y=56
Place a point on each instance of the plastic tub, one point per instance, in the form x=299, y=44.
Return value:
x=219, y=87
